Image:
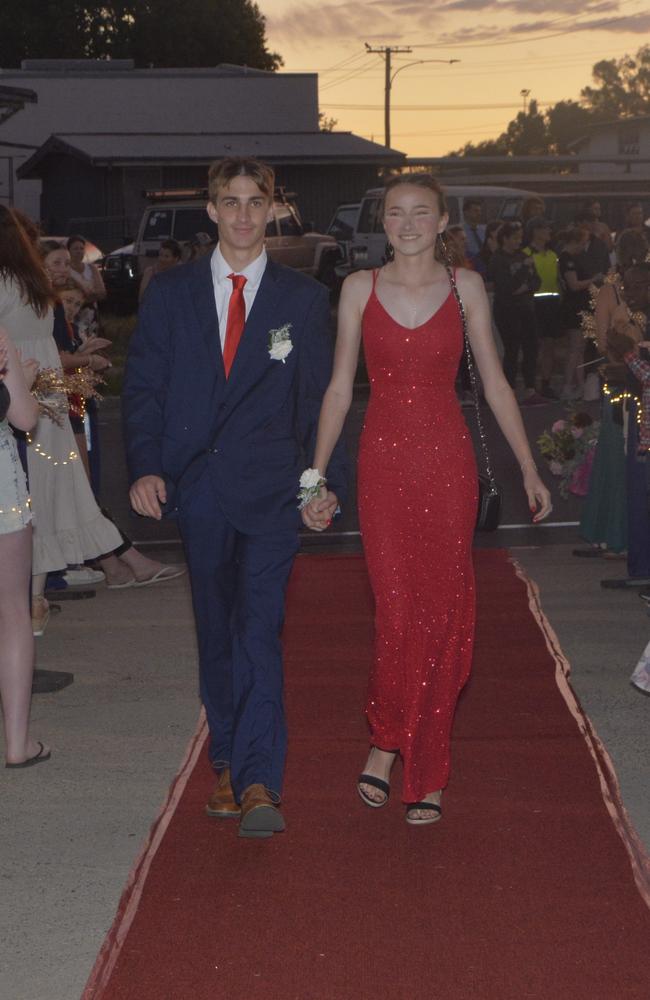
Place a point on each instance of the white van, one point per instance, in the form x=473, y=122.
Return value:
x=368, y=244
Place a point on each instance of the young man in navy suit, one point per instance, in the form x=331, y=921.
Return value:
x=224, y=381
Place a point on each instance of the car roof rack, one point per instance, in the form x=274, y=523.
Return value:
x=201, y=194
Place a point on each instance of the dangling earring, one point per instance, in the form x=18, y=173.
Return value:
x=444, y=247
x=389, y=252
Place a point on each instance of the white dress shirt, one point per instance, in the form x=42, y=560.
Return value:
x=223, y=285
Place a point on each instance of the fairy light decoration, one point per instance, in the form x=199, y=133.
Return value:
x=588, y=327
x=53, y=386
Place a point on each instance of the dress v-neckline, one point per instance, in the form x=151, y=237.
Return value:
x=420, y=325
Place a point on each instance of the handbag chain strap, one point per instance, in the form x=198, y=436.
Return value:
x=472, y=373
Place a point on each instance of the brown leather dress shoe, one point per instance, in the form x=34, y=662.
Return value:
x=221, y=803
x=260, y=816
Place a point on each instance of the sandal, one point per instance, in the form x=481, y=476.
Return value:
x=169, y=572
x=36, y=759
x=374, y=782
x=432, y=807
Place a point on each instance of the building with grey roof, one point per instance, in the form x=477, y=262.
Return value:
x=100, y=134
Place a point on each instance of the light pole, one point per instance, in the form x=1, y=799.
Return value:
x=525, y=94
x=387, y=51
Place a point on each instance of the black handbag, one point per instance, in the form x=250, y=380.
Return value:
x=488, y=514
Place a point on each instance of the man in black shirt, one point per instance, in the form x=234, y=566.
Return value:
x=595, y=261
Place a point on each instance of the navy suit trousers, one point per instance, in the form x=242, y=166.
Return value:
x=238, y=591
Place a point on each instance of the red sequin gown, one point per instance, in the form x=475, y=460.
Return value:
x=417, y=487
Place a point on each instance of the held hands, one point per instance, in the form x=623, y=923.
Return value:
x=318, y=514
x=539, y=498
x=146, y=495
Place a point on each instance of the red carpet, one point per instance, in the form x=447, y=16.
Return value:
x=524, y=890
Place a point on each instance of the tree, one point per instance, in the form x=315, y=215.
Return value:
x=326, y=124
x=623, y=86
x=622, y=90
x=527, y=133
x=565, y=122
x=162, y=33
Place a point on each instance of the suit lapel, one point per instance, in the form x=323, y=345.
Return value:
x=202, y=292
x=252, y=358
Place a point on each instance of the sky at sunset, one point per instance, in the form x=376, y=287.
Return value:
x=545, y=46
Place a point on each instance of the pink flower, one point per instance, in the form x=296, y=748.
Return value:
x=577, y=432
x=555, y=467
x=559, y=425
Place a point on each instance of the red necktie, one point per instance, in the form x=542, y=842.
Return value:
x=236, y=320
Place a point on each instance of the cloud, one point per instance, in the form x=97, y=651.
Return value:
x=568, y=7
x=404, y=21
x=638, y=24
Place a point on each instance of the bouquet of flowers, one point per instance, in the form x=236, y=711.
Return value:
x=569, y=448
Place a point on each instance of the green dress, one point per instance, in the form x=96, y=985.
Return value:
x=604, y=515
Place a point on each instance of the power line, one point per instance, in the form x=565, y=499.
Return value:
x=358, y=71
x=434, y=107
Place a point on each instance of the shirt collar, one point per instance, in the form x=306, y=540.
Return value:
x=252, y=272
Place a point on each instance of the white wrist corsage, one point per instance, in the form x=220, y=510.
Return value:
x=311, y=482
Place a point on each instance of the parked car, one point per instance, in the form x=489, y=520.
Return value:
x=180, y=215
x=368, y=243
x=342, y=229
x=121, y=277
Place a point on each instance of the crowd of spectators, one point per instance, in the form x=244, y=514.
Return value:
x=569, y=302
x=50, y=335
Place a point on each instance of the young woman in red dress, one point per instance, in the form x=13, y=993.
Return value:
x=417, y=485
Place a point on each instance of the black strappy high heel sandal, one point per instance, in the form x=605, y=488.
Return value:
x=432, y=807
x=374, y=782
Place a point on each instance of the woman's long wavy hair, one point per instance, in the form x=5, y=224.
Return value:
x=446, y=251
x=20, y=261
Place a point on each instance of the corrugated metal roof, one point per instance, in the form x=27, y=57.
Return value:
x=277, y=147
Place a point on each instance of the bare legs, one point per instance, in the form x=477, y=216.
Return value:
x=17, y=647
x=130, y=565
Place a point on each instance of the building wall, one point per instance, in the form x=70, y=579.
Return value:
x=153, y=101
x=625, y=139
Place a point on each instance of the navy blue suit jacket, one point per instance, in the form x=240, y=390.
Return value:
x=255, y=430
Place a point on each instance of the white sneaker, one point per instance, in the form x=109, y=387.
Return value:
x=82, y=576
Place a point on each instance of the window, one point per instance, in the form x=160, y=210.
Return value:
x=190, y=221
x=287, y=221
x=629, y=140
x=158, y=225
x=370, y=218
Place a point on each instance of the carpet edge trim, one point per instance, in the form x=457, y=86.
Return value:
x=609, y=786
x=132, y=892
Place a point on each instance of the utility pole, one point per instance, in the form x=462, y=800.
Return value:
x=525, y=94
x=387, y=51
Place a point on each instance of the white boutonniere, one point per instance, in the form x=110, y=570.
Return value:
x=280, y=345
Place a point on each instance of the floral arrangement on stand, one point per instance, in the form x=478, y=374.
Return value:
x=569, y=448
